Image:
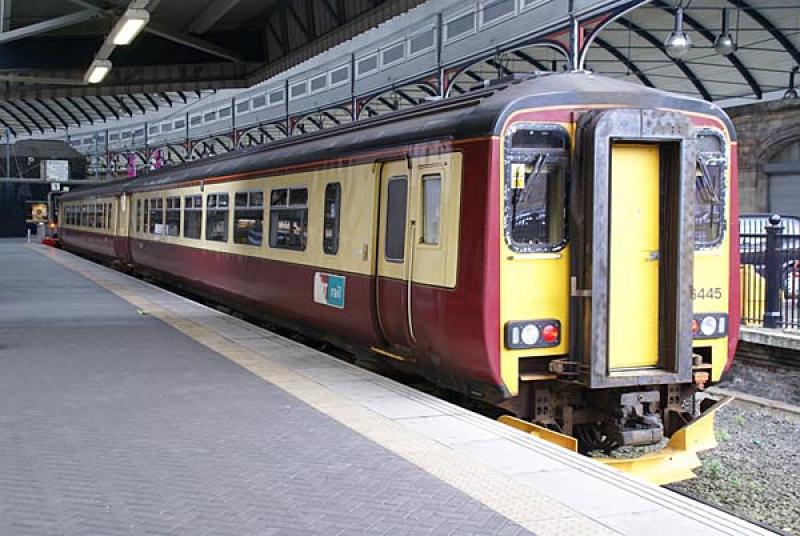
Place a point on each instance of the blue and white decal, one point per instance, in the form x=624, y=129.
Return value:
x=329, y=289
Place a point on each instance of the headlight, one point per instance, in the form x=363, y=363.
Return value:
x=533, y=334
x=710, y=326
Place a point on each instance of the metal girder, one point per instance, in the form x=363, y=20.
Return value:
x=524, y=56
x=191, y=42
x=108, y=106
x=332, y=118
x=406, y=96
x=52, y=112
x=655, y=42
x=625, y=61
x=500, y=67
x=66, y=111
x=16, y=118
x=38, y=112
x=123, y=105
x=709, y=36
x=183, y=96
x=137, y=103
x=288, y=8
x=166, y=98
x=764, y=22
x=392, y=106
x=81, y=110
x=94, y=108
x=212, y=14
x=47, y=25
x=26, y=115
x=151, y=100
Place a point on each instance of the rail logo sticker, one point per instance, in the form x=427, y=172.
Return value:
x=329, y=289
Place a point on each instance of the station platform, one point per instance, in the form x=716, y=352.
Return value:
x=128, y=410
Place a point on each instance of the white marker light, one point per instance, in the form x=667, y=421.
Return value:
x=129, y=26
x=530, y=335
x=708, y=326
x=97, y=71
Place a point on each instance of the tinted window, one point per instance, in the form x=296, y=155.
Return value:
x=248, y=218
x=192, y=216
x=156, y=224
x=217, y=217
x=396, y=202
x=709, y=207
x=535, y=188
x=431, y=208
x=173, y=222
x=330, y=230
x=288, y=224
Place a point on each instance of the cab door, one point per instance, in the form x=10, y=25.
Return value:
x=395, y=232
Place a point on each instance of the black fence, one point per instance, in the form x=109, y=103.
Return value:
x=770, y=271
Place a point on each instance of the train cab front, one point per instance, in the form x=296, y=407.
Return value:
x=615, y=272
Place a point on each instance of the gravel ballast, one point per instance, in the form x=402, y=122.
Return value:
x=755, y=470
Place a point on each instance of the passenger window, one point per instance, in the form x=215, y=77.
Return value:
x=157, y=216
x=217, y=217
x=396, y=203
x=192, y=216
x=709, y=207
x=288, y=224
x=173, y=223
x=146, y=216
x=110, y=213
x=138, y=215
x=431, y=208
x=248, y=218
x=330, y=228
x=535, y=187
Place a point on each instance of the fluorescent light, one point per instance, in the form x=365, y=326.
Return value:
x=97, y=71
x=129, y=26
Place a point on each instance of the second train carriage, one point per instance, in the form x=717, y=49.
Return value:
x=560, y=246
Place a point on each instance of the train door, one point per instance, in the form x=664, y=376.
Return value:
x=122, y=228
x=634, y=256
x=395, y=233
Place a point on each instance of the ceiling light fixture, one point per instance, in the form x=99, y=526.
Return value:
x=678, y=42
x=129, y=25
x=724, y=44
x=97, y=71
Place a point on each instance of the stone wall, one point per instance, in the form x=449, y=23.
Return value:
x=763, y=129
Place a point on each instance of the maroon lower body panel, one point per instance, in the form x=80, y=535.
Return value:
x=102, y=245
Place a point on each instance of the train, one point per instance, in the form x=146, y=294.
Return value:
x=562, y=246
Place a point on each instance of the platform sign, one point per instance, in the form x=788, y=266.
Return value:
x=54, y=170
x=329, y=289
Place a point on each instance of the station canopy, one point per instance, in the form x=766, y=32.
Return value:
x=191, y=48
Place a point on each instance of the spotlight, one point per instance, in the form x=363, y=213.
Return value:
x=724, y=44
x=678, y=42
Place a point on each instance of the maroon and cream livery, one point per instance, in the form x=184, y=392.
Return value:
x=477, y=240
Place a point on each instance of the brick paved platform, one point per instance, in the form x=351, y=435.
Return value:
x=128, y=410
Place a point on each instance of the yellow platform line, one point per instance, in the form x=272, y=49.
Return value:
x=517, y=502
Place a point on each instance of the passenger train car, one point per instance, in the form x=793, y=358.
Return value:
x=559, y=246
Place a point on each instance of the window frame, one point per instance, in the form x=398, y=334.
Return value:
x=482, y=23
x=168, y=210
x=337, y=220
x=194, y=210
x=288, y=207
x=248, y=207
x=427, y=177
x=387, y=258
x=563, y=156
x=208, y=210
x=723, y=189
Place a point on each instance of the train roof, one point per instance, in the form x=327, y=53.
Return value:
x=479, y=113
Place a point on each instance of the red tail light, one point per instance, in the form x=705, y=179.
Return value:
x=550, y=333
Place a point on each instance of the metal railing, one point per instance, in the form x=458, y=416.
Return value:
x=770, y=271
